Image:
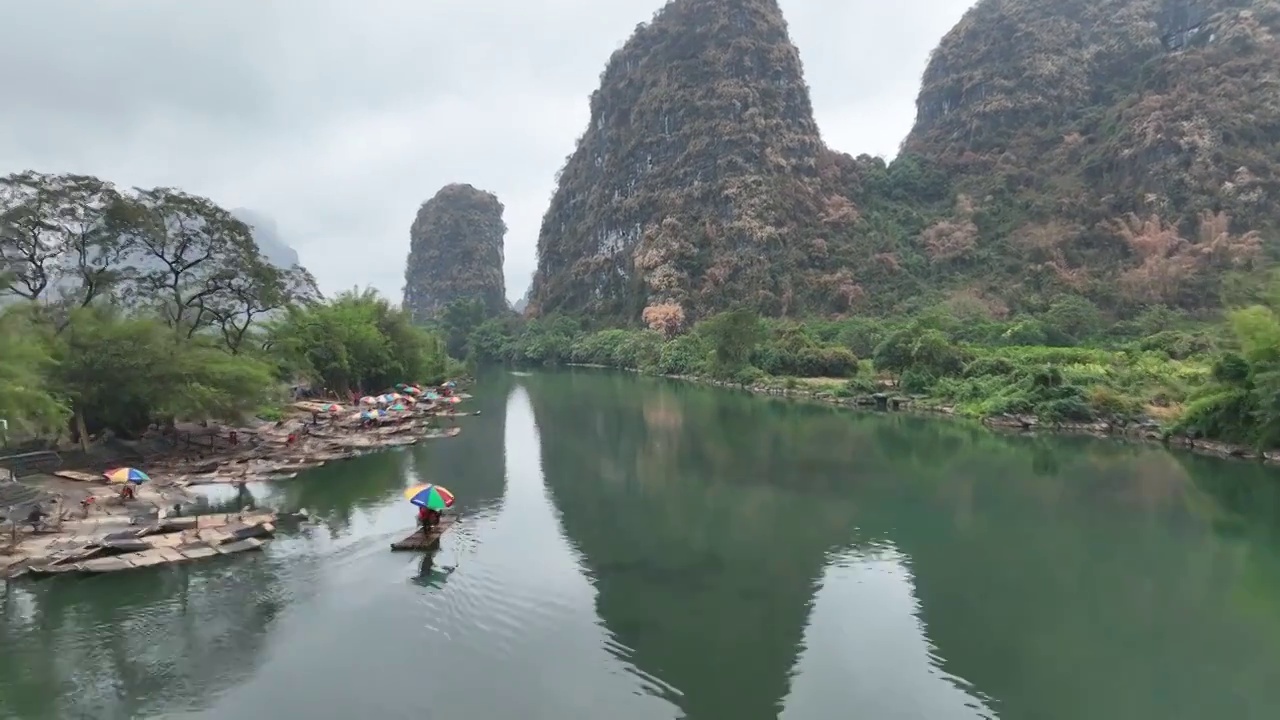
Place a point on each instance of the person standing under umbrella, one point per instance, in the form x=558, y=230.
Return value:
x=430, y=499
x=428, y=518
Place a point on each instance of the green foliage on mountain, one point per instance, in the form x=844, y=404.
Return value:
x=1119, y=152
x=455, y=253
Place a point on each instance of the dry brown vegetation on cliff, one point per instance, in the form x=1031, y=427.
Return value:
x=1121, y=150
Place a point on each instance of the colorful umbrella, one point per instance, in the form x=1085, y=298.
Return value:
x=331, y=408
x=368, y=400
x=455, y=399
x=429, y=496
x=451, y=384
x=123, y=475
x=413, y=390
x=397, y=407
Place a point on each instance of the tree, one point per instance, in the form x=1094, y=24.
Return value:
x=27, y=253
x=458, y=319
x=666, y=318
x=124, y=373
x=190, y=256
x=1242, y=404
x=358, y=341
x=893, y=354
x=1074, y=317
x=256, y=290
x=732, y=336
x=25, y=401
x=60, y=237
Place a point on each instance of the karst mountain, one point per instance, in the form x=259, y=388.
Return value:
x=456, y=252
x=1124, y=151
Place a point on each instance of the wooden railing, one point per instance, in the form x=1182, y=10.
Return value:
x=30, y=463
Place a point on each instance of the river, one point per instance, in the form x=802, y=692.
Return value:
x=642, y=549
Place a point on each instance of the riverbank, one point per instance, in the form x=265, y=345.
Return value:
x=1149, y=431
x=829, y=391
x=73, y=521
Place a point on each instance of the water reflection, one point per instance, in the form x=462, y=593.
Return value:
x=643, y=550
x=165, y=640
x=1054, y=577
x=866, y=648
x=432, y=575
x=699, y=525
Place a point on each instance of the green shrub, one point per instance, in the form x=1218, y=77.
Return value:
x=916, y=381
x=685, y=355
x=860, y=386
x=1106, y=402
x=748, y=376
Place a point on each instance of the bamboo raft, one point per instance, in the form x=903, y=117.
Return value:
x=420, y=541
x=165, y=542
x=335, y=447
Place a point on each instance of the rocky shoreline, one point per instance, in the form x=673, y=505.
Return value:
x=1145, y=432
x=281, y=450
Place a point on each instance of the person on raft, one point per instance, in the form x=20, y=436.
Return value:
x=428, y=518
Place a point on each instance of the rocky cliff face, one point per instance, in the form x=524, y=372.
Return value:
x=700, y=178
x=1118, y=148
x=455, y=252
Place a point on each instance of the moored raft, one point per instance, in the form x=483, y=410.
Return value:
x=420, y=541
x=149, y=558
x=176, y=540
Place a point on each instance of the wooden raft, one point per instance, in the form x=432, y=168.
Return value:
x=149, y=558
x=420, y=541
x=80, y=476
x=205, y=537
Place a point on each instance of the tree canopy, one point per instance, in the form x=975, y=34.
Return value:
x=119, y=309
x=358, y=342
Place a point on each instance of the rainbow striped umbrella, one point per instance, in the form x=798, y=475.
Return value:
x=429, y=496
x=126, y=475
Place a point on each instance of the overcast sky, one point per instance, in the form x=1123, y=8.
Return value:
x=340, y=117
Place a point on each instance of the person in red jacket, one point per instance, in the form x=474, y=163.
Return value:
x=428, y=518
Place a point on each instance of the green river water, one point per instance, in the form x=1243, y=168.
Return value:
x=636, y=549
